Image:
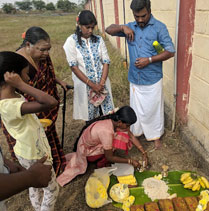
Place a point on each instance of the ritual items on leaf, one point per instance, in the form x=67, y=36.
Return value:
x=191, y=202
x=129, y=180
x=143, y=166
x=165, y=204
x=159, y=176
x=179, y=204
x=165, y=171
x=138, y=207
x=127, y=203
x=193, y=181
x=156, y=189
x=119, y=192
x=204, y=195
x=150, y=206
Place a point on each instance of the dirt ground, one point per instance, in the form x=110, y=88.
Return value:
x=173, y=153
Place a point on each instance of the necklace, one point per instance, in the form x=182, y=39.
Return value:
x=32, y=62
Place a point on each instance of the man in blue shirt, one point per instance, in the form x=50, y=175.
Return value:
x=145, y=70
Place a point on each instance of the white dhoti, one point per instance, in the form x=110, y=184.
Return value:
x=147, y=101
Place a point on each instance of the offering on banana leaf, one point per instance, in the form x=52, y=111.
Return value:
x=119, y=192
x=191, y=202
x=156, y=189
x=204, y=195
x=193, y=181
x=130, y=180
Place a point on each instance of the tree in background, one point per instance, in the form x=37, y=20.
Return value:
x=50, y=6
x=24, y=5
x=39, y=4
x=66, y=5
x=8, y=8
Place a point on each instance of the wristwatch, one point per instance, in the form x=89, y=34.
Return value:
x=150, y=59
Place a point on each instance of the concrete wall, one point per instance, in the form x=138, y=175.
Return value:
x=165, y=11
x=198, y=108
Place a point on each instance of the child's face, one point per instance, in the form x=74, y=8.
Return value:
x=25, y=74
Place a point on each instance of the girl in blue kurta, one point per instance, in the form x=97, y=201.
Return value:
x=89, y=61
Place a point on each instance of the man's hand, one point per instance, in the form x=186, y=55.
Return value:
x=142, y=62
x=40, y=173
x=128, y=32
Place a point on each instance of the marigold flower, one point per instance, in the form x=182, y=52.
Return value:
x=23, y=35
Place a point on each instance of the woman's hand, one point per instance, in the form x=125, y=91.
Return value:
x=97, y=88
x=145, y=159
x=64, y=85
x=135, y=163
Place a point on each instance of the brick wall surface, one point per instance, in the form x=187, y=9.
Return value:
x=198, y=108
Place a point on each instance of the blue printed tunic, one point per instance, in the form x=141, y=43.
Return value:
x=89, y=58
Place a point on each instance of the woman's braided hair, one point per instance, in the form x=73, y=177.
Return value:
x=125, y=114
x=85, y=17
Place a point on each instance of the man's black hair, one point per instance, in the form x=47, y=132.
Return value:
x=137, y=5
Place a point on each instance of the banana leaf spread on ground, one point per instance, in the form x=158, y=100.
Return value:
x=173, y=181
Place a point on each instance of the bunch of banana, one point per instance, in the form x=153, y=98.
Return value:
x=203, y=182
x=194, y=182
x=185, y=176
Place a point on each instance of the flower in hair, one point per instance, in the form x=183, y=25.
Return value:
x=77, y=18
x=113, y=111
x=23, y=35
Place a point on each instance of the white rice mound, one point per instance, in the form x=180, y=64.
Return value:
x=155, y=189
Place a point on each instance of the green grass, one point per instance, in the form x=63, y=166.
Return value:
x=59, y=27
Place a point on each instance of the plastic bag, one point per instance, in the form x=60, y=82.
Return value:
x=96, y=188
x=123, y=169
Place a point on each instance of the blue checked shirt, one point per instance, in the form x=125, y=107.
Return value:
x=142, y=47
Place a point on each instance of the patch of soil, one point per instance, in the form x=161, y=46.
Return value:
x=173, y=153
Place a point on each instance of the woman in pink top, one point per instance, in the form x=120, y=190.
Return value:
x=95, y=142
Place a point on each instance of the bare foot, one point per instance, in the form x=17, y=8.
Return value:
x=157, y=144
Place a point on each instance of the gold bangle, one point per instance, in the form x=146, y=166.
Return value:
x=87, y=81
x=144, y=152
x=102, y=79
